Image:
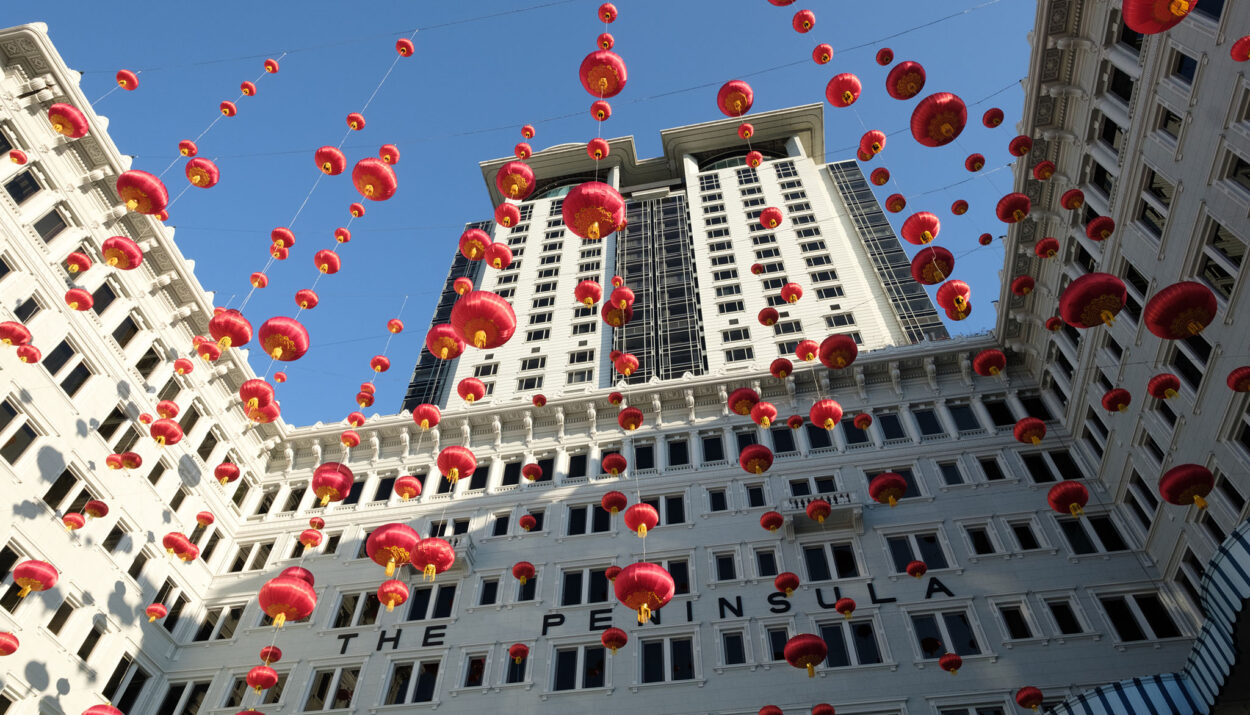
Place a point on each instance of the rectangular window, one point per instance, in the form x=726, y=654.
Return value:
x=1183, y=67
x=979, y=539
x=667, y=659
x=733, y=306
x=22, y=187
x=945, y=631
x=1091, y=534
x=733, y=647
x=850, y=643
x=1015, y=623
x=921, y=546
x=739, y=354
x=50, y=226
x=1139, y=617
x=579, y=668
x=735, y=334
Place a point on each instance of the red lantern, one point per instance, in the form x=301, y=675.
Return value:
x=1068, y=497
x=1022, y=285
x=230, y=329
x=8, y=643
x=1163, y=386
x=791, y=292
x=992, y=117
x=518, y=652
x=1187, y=484
x=327, y=261
x=532, y=471
x=112, y=461
x=1150, y=17
x=1239, y=379
x=1180, y=310
x=73, y=521
x=270, y=654
x=455, y=462
x=96, y=509
x=426, y=415
x=597, y=149
x=483, y=319
x=297, y=572
x=954, y=296
x=768, y=316
x=1029, y=697
x=873, y=141
x=843, y=89
x=838, y=351
x=612, y=502
x=819, y=510
x=772, y=520
x=938, y=119
x=806, y=350
x=395, y=326
x=1029, y=430
x=622, y=297
x=262, y=677
x=920, y=228
x=389, y=153
x=1043, y=170
x=287, y=598
x=1116, y=400
x=142, y=192
x=823, y=53
x=613, y=463
x=228, y=109
x=342, y=235
x=884, y=57
x=613, y=639
x=186, y=147
x=1093, y=299
x=746, y=130
x=770, y=710
x=332, y=482
x=507, y=215
x=374, y=179
x=644, y=587
x=523, y=571
x=248, y=89
x=433, y=556
x=845, y=606
x=787, y=583
x=641, y=517
x=259, y=280
x=127, y=80
x=522, y=151
x=959, y=208
x=202, y=172
x=17, y=156
x=68, y=120
x=283, y=338
x=932, y=265
x=393, y=593
x=626, y=364
x=755, y=459
x=771, y=217
x=804, y=20
x=121, y=253
x=974, y=162
x=155, y=611
x=167, y=409
x=407, y=487
x=600, y=110
x=462, y=285
x=617, y=317
x=443, y=342
x=735, y=98
x=14, y=333
x=527, y=131
x=588, y=293
x=166, y=432
x=806, y=651
x=603, y=74
x=1072, y=199
x=989, y=362
x=1020, y=146
x=1046, y=248
x=905, y=80
x=78, y=299
x=754, y=159
x=226, y=472
x=1013, y=208
x=780, y=368
x=527, y=522
x=951, y=663
x=630, y=419
x=880, y=176
x=392, y=545
x=985, y=239
x=605, y=41
x=1240, y=51
x=539, y=400
x=887, y=487
x=34, y=576
x=208, y=351
x=77, y=262
x=917, y=569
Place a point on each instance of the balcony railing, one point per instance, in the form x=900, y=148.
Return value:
x=845, y=513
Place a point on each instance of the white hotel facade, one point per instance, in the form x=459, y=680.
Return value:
x=1025, y=595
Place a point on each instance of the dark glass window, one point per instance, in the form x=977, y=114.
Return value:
x=50, y=226
x=22, y=187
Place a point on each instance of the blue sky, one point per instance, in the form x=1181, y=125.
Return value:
x=480, y=71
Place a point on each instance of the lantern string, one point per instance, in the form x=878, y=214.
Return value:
x=106, y=94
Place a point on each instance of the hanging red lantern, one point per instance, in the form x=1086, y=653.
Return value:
x=1022, y=285
x=1013, y=208
x=974, y=163
x=880, y=176
x=77, y=262
x=78, y=299
x=73, y=521
x=605, y=41
x=228, y=109
x=310, y=538
x=921, y=228
x=806, y=350
x=989, y=362
x=895, y=203
x=884, y=57
x=1020, y=146
x=455, y=462
x=1187, y=484
x=613, y=502
x=393, y=593
x=772, y=520
x=332, y=482
x=262, y=677
x=226, y=472
x=887, y=487
x=174, y=541
x=614, y=639
x=1150, y=17
x=68, y=120
x=603, y=74
x=407, y=487
x=954, y=296
x=330, y=160
x=17, y=156
x=1029, y=697
x=1068, y=497
x=1043, y=170
x=127, y=80
x=843, y=89
x=640, y=518
x=771, y=217
x=507, y=215
x=645, y=588
x=1093, y=299
x=356, y=121
x=1240, y=50
x=259, y=280
x=787, y=583
x=1116, y=400
x=1029, y=430
x=166, y=432
x=34, y=575
x=951, y=663
x=931, y=265
x=532, y=471
x=522, y=151
x=202, y=173
x=780, y=368
x=426, y=415
x=791, y=292
x=607, y=12
x=167, y=409
x=96, y=509
x=183, y=366
x=768, y=316
x=1163, y=386
x=992, y=117
x=1239, y=379
x=755, y=459
x=806, y=651
x=392, y=545
x=873, y=141
x=600, y=110
x=374, y=179
x=917, y=569
x=142, y=192
x=822, y=54
x=613, y=463
x=498, y=255
x=283, y=338
x=462, y=285
x=770, y=710
x=230, y=329
x=905, y=80
x=121, y=253
x=804, y=21
x=938, y=119
x=734, y=98
x=433, y=556
x=349, y=439
x=270, y=654
x=444, y=342
x=742, y=400
x=598, y=148
x=985, y=239
x=186, y=147
x=959, y=208
x=819, y=510
x=483, y=319
x=593, y=210
x=208, y=351
x=838, y=351
x=1047, y=247
x=113, y=461
x=754, y=159
x=763, y=414
x=588, y=293
x=746, y=130
x=342, y=235
x=527, y=522
x=287, y=598
x=1180, y=310
x=630, y=419
x=248, y=89
x=626, y=364
x=539, y=400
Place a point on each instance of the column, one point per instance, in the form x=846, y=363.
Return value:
x=908, y=421
x=370, y=488
x=594, y=457
x=983, y=415
x=279, y=500
x=945, y=419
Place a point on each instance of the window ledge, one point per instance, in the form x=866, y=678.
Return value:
x=576, y=692
x=523, y=685
x=825, y=671
x=721, y=669
x=1035, y=640
x=398, y=708
x=1151, y=644
x=1044, y=550
x=933, y=662
x=1091, y=636
x=699, y=682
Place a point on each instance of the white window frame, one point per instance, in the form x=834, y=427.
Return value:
x=334, y=685
x=938, y=611
x=667, y=639
x=846, y=624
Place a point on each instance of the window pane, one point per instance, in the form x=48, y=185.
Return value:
x=1122, y=619
x=593, y=667
x=401, y=676
x=419, y=604
x=865, y=639
x=1107, y=533
x=930, y=551
x=735, y=652
x=928, y=635
x=427, y=677
x=682, y=652
x=446, y=599
x=777, y=638
x=900, y=552
x=766, y=563
x=964, y=641
x=566, y=669
x=572, y=592
x=844, y=562
x=817, y=564
x=1157, y=616
x=1065, y=617
x=1017, y=625
x=835, y=642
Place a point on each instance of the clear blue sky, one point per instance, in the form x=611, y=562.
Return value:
x=473, y=81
